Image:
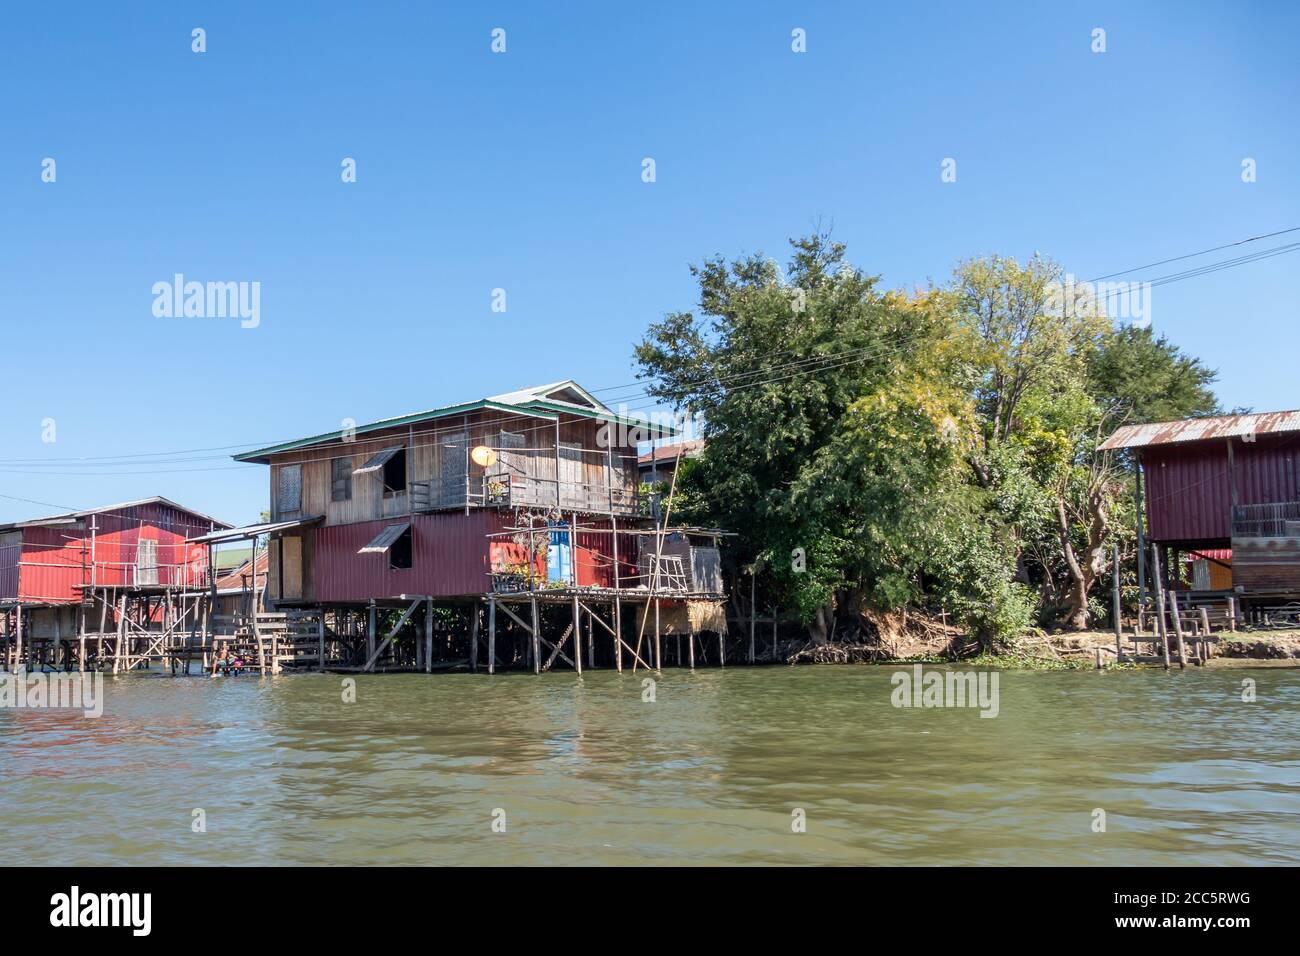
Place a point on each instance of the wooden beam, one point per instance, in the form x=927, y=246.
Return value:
x=406, y=616
x=473, y=636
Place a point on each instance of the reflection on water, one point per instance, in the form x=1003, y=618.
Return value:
x=710, y=773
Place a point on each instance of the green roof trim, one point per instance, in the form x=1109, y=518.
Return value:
x=260, y=454
x=549, y=411
x=652, y=430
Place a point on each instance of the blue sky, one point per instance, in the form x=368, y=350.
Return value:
x=522, y=171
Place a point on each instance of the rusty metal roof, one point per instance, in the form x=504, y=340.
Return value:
x=1202, y=429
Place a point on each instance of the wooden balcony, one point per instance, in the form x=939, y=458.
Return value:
x=523, y=491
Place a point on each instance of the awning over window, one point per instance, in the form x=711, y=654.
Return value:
x=377, y=461
x=386, y=539
x=251, y=531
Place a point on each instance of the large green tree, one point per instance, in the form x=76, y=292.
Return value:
x=833, y=422
x=874, y=449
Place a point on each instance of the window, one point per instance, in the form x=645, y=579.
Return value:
x=394, y=541
x=341, y=479
x=391, y=465
x=146, y=561
x=399, y=555
x=395, y=474
x=288, y=497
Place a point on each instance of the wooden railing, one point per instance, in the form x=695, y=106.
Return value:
x=1278, y=519
x=510, y=491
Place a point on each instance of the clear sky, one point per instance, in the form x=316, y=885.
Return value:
x=523, y=171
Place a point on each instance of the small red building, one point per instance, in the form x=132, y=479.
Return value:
x=1225, y=482
x=53, y=560
x=52, y=568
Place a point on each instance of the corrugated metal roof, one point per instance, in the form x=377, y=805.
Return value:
x=237, y=579
x=251, y=531
x=1202, y=429
x=70, y=516
x=533, y=402
x=668, y=453
x=547, y=393
x=385, y=539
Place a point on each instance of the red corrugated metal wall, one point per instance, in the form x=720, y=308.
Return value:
x=1188, y=493
x=596, y=557
x=450, y=558
x=55, y=559
x=11, y=552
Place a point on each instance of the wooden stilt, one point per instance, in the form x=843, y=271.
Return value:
x=577, y=634
x=591, y=641
x=659, y=649
x=473, y=635
x=121, y=634
x=1161, y=632
x=371, y=629
x=753, y=607
x=492, y=635
x=1115, y=607
x=103, y=618
x=537, y=649
x=1178, y=628
x=618, y=634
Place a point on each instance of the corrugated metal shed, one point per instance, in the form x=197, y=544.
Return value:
x=1203, y=429
x=1189, y=487
x=48, y=560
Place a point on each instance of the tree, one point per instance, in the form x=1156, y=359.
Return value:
x=831, y=415
x=1053, y=378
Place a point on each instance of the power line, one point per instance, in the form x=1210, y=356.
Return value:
x=749, y=378
x=1193, y=255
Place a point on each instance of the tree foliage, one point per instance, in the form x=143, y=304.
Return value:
x=875, y=449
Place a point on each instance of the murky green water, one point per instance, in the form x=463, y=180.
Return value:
x=586, y=772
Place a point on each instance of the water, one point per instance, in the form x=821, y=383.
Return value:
x=586, y=772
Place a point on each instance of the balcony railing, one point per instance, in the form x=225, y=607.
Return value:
x=1279, y=519
x=510, y=491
